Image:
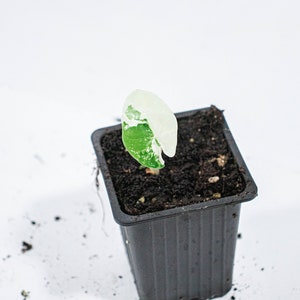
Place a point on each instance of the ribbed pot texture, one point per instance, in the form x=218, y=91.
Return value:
x=185, y=256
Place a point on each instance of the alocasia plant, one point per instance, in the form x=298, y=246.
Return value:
x=149, y=128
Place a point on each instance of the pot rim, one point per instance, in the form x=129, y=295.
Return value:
x=124, y=219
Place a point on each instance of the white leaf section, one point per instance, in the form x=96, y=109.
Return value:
x=161, y=119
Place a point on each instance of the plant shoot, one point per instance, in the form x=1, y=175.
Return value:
x=149, y=128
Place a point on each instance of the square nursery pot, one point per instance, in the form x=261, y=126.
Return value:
x=185, y=251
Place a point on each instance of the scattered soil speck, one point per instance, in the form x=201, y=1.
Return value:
x=232, y=297
x=91, y=208
x=239, y=236
x=7, y=257
x=262, y=269
x=26, y=247
x=39, y=158
x=120, y=276
x=93, y=256
x=25, y=294
x=57, y=218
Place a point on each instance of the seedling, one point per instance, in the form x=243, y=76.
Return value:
x=149, y=128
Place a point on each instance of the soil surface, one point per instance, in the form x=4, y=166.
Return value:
x=202, y=169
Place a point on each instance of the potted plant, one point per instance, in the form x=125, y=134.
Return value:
x=179, y=224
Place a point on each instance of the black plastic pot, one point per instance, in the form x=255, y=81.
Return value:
x=184, y=252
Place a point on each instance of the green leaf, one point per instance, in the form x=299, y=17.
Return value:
x=148, y=128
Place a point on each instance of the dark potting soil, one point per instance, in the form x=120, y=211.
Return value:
x=203, y=168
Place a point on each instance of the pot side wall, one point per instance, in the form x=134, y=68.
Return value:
x=186, y=256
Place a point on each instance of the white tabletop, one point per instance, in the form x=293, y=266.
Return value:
x=66, y=68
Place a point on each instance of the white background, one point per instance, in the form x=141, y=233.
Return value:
x=66, y=68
